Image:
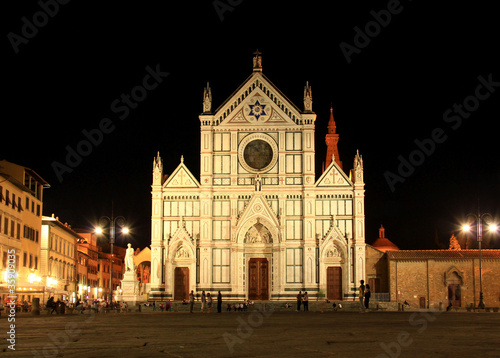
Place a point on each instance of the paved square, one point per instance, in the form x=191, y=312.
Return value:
x=256, y=334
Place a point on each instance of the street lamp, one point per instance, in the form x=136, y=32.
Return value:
x=480, y=219
x=113, y=222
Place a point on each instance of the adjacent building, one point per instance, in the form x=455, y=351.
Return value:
x=441, y=278
x=21, y=204
x=258, y=223
x=88, y=252
x=432, y=279
x=58, y=260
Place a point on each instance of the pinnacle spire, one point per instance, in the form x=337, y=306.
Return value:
x=207, y=99
x=308, y=98
x=332, y=127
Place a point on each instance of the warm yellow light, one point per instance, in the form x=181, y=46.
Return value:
x=125, y=230
x=466, y=228
x=493, y=227
x=98, y=230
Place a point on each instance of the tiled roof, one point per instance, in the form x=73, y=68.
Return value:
x=442, y=254
x=384, y=244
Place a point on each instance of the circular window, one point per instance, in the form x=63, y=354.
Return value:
x=258, y=152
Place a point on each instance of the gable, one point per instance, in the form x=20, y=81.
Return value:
x=258, y=102
x=333, y=177
x=181, y=178
x=258, y=206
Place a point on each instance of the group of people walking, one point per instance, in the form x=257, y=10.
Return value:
x=206, y=300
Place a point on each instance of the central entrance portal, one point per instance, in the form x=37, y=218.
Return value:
x=181, y=283
x=258, y=279
x=334, y=283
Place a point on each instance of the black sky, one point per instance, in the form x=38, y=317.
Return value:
x=393, y=92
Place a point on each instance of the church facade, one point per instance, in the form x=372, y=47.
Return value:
x=258, y=223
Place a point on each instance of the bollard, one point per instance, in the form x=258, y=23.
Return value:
x=138, y=307
x=35, y=307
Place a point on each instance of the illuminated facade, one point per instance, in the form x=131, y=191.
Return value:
x=258, y=223
x=58, y=259
x=21, y=203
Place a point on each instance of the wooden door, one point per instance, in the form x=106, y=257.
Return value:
x=374, y=285
x=454, y=295
x=422, y=302
x=181, y=283
x=258, y=279
x=334, y=283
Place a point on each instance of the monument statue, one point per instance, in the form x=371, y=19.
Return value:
x=129, y=259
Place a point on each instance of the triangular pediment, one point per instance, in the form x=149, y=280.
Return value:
x=333, y=176
x=258, y=102
x=181, y=178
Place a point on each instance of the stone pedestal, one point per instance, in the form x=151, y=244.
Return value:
x=35, y=307
x=130, y=288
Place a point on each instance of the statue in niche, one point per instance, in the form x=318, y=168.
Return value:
x=258, y=183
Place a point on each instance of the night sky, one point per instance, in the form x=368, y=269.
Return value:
x=422, y=87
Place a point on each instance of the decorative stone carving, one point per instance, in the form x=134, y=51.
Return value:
x=182, y=253
x=258, y=234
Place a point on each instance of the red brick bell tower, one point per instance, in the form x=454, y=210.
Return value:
x=331, y=140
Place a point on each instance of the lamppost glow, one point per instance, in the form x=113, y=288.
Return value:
x=113, y=222
x=480, y=220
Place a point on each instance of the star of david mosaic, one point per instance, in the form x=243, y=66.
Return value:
x=257, y=110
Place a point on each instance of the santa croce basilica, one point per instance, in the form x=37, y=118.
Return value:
x=258, y=223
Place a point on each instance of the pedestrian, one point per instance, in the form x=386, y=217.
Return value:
x=367, y=296
x=161, y=306
x=299, y=300
x=362, y=295
x=305, y=301
x=191, y=301
x=168, y=306
x=154, y=305
x=203, y=301
x=219, y=302
x=209, y=302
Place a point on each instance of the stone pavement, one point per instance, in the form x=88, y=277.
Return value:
x=255, y=334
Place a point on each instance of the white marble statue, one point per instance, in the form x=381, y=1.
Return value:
x=129, y=259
